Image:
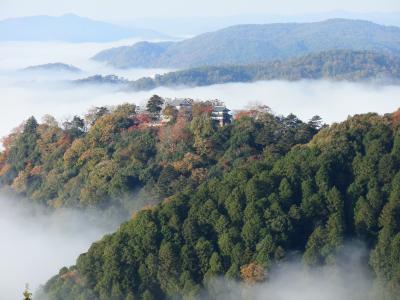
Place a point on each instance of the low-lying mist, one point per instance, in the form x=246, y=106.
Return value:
x=23, y=95
x=36, y=243
x=18, y=55
x=333, y=101
x=348, y=278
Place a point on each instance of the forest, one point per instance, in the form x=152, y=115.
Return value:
x=105, y=157
x=335, y=65
x=229, y=201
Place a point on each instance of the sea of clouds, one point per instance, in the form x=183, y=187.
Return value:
x=35, y=245
x=24, y=94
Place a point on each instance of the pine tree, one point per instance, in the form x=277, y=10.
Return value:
x=154, y=106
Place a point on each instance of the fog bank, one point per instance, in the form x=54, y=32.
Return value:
x=333, y=101
x=347, y=279
x=23, y=95
x=35, y=244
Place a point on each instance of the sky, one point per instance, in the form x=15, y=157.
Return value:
x=114, y=10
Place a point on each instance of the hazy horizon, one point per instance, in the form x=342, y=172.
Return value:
x=187, y=26
x=123, y=11
x=177, y=18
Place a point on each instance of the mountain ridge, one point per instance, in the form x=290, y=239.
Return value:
x=253, y=213
x=246, y=44
x=337, y=65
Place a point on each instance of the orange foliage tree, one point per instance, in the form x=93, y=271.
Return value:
x=252, y=273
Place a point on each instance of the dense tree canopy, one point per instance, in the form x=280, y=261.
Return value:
x=103, y=159
x=333, y=65
x=336, y=65
x=235, y=199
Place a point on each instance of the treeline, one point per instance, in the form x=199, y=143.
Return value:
x=104, y=158
x=333, y=65
x=261, y=200
x=337, y=65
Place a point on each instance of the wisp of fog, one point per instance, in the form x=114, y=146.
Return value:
x=23, y=96
x=333, y=101
x=36, y=243
x=348, y=278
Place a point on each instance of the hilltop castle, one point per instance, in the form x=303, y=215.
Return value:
x=220, y=113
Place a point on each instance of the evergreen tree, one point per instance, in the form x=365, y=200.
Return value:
x=154, y=106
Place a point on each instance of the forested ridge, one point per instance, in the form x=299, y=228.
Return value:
x=339, y=65
x=335, y=65
x=235, y=199
x=105, y=157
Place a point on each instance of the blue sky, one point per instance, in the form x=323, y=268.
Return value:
x=130, y=9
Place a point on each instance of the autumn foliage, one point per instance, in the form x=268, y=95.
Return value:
x=252, y=273
x=238, y=198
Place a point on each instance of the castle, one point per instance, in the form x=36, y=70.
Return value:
x=220, y=113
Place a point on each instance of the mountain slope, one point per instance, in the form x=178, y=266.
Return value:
x=344, y=184
x=247, y=44
x=348, y=65
x=67, y=28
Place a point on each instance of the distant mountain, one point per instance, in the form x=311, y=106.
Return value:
x=189, y=26
x=249, y=44
x=348, y=65
x=137, y=55
x=68, y=28
x=53, y=67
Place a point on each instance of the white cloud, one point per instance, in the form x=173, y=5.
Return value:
x=332, y=101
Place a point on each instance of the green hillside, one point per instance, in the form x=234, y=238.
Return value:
x=105, y=158
x=345, y=65
x=344, y=184
x=237, y=199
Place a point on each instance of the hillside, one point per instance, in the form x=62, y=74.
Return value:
x=343, y=184
x=105, y=158
x=346, y=65
x=251, y=44
x=238, y=199
x=68, y=28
